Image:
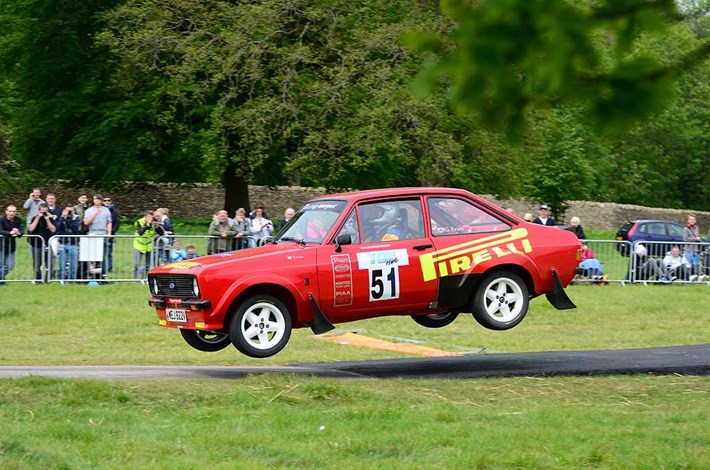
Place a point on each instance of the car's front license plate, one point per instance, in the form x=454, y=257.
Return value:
x=176, y=315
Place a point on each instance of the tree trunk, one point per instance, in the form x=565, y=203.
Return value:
x=236, y=189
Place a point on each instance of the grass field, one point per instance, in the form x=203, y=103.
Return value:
x=300, y=422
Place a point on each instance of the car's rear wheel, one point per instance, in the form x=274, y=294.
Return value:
x=208, y=341
x=261, y=326
x=436, y=320
x=501, y=301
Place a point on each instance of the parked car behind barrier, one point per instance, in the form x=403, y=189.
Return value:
x=664, y=234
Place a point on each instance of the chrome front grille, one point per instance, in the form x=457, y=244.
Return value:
x=172, y=285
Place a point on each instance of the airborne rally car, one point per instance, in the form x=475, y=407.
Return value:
x=426, y=252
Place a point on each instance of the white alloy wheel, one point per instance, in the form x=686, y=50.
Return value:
x=261, y=327
x=501, y=301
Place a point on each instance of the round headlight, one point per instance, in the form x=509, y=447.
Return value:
x=195, y=287
x=155, y=286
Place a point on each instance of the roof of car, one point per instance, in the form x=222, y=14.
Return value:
x=652, y=220
x=390, y=192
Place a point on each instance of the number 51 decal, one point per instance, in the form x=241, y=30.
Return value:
x=384, y=283
x=383, y=269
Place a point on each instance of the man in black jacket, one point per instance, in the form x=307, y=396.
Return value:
x=10, y=231
x=43, y=226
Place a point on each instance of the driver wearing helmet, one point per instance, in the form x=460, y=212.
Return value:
x=384, y=224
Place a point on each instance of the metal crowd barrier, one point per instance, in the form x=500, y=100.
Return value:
x=100, y=259
x=91, y=258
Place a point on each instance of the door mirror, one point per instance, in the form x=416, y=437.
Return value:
x=342, y=239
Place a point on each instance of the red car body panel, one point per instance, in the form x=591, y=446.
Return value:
x=433, y=271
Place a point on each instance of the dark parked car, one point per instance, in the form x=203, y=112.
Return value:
x=655, y=231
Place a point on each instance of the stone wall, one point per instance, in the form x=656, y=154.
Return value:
x=201, y=200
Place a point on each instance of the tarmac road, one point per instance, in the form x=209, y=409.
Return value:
x=683, y=360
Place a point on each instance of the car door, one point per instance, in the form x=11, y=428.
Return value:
x=379, y=272
x=465, y=235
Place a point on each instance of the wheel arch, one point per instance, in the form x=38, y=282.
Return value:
x=514, y=268
x=275, y=290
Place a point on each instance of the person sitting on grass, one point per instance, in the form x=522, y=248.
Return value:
x=591, y=267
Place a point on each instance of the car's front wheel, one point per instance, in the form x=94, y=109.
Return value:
x=501, y=301
x=208, y=341
x=435, y=320
x=261, y=326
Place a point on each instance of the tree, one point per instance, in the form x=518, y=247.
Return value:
x=510, y=56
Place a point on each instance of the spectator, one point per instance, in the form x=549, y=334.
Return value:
x=115, y=225
x=146, y=228
x=544, y=216
x=32, y=204
x=68, y=226
x=252, y=214
x=241, y=239
x=288, y=213
x=528, y=217
x=590, y=266
x=261, y=227
x=56, y=212
x=165, y=241
x=191, y=252
x=177, y=253
x=223, y=229
x=80, y=209
x=54, y=208
x=691, y=233
x=645, y=268
x=43, y=227
x=10, y=231
x=677, y=266
x=98, y=219
x=577, y=228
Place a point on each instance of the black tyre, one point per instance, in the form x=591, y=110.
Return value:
x=208, y=341
x=437, y=320
x=261, y=326
x=501, y=301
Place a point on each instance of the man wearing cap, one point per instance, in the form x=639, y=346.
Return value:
x=544, y=217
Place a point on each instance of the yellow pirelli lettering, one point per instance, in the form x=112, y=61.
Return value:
x=464, y=257
x=162, y=322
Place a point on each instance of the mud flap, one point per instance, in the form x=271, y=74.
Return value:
x=558, y=297
x=320, y=324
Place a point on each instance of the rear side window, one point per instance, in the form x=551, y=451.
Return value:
x=451, y=216
x=656, y=228
x=675, y=230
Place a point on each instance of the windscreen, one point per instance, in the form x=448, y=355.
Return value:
x=312, y=222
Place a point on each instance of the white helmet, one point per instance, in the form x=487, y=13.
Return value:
x=388, y=214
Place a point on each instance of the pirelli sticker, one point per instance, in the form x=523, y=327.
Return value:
x=464, y=257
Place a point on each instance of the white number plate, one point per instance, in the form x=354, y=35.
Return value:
x=176, y=315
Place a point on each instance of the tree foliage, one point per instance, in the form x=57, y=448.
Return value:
x=510, y=56
x=319, y=93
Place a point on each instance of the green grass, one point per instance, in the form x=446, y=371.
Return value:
x=638, y=421
x=112, y=324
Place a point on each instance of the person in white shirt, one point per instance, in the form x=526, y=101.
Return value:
x=677, y=265
x=261, y=227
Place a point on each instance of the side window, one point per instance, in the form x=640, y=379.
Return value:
x=451, y=216
x=656, y=229
x=675, y=230
x=352, y=227
x=391, y=220
x=643, y=228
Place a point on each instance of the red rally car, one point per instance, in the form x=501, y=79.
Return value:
x=426, y=252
